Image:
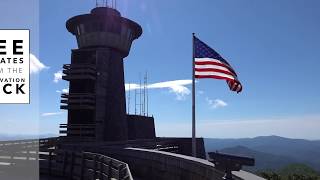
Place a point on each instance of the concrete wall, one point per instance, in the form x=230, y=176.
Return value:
x=109, y=90
x=146, y=164
x=157, y=165
x=185, y=145
x=110, y=93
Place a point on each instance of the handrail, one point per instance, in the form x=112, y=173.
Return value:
x=78, y=95
x=78, y=129
x=84, y=65
x=78, y=99
x=84, y=165
x=76, y=125
x=86, y=71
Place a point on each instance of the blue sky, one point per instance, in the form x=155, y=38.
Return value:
x=273, y=46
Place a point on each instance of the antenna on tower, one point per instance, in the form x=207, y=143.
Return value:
x=147, y=93
x=140, y=88
x=141, y=92
x=145, y=96
x=103, y=3
x=129, y=98
x=135, y=101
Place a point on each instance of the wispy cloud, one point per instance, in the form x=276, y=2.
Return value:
x=51, y=114
x=177, y=87
x=35, y=65
x=148, y=26
x=57, y=76
x=66, y=90
x=131, y=86
x=217, y=103
x=307, y=126
x=200, y=92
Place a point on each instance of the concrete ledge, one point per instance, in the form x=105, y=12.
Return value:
x=157, y=165
x=246, y=175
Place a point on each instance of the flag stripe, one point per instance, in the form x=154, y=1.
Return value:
x=229, y=77
x=213, y=70
x=235, y=85
x=210, y=61
x=212, y=67
x=200, y=60
x=211, y=77
x=206, y=59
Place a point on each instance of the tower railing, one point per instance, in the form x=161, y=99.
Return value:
x=79, y=71
x=78, y=101
x=78, y=130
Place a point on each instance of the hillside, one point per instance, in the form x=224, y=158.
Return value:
x=292, y=172
x=297, y=150
x=298, y=169
x=263, y=160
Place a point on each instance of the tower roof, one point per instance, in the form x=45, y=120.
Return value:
x=104, y=27
x=103, y=15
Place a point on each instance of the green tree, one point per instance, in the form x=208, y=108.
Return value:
x=291, y=172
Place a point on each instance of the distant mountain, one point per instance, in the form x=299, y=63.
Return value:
x=302, y=151
x=263, y=161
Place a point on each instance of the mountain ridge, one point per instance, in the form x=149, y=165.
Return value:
x=301, y=150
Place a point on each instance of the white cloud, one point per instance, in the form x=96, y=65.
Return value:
x=217, y=103
x=63, y=91
x=148, y=26
x=35, y=65
x=200, y=92
x=130, y=86
x=51, y=114
x=177, y=87
x=57, y=76
x=180, y=91
x=307, y=126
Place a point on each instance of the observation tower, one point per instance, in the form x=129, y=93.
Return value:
x=96, y=100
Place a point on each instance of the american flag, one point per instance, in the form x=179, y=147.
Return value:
x=209, y=64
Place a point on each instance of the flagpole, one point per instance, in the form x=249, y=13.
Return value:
x=193, y=102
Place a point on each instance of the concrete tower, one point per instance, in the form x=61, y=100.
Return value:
x=96, y=100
